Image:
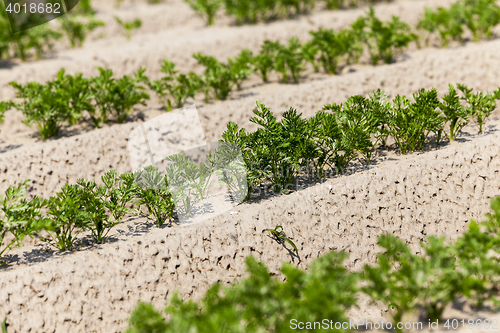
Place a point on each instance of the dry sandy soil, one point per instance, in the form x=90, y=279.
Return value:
x=94, y=289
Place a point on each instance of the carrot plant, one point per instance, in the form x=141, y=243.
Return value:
x=206, y=8
x=480, y=105
x=250, y=11
x=66, y=217
x=353, y=133
x=380, y=109
x=153, y=193
x=401, y=287
x=263, y=62
x=455, y=114
x=4, y=106
x=404, y=281
x=107, y=205
x=241, y=67
x=330, y=47
x=324, y=140
x=77, y=92
x=188, y=183
x=128, y=26
x=86, y=7
x=481, y=16
x=411, y=123
x=19, y=217
x=218, y=77
x=76, y=28
x=478, y=267
x=447, y=22
x=383, y=39
x=229, y=165
x=288, y=61
x=44, y=105
x=276, y=145
x=326, y=290
x=298, y=6
x=238, y=138
x=117, y=96
x=356, y=124
x=179, y=87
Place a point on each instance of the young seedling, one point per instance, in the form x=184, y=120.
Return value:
x=128, y=26
x=410, y=124
x=276, y=146
x=86, y=7
x=384, y=39
x=107, y=205
x=234, y=136
x=331, y=48
x=218, y=77
x=179, y=87
x=4, y=106
x=281, y=237
x=77, y=92
x=480, y=17
x=43, y=105
x=263, y=63
x=480, y=105
x=152, y=191
x=4, y=326
x=76, y=29
x=288, y=61
x=251, y=11
x=67, y=217
x=206, y=8
x=188, y=182
x=18, y=216
x=117, y=96
x=448, y=22
x=240, y=67
x=455, y=113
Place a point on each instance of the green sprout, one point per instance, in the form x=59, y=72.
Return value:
x=281, y=237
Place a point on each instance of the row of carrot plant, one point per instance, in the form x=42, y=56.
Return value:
x=67, y=99
x=40, y=38
x=479, y=16
x=320, y=297
x=278, y=151
x=253, y=11
x=276, y=154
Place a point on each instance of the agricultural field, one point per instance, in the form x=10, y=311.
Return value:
x=358, y=142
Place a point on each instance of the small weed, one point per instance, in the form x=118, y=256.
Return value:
x=281, y=237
